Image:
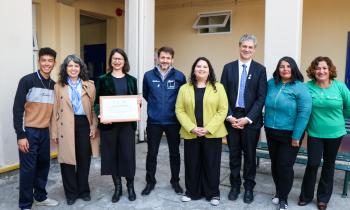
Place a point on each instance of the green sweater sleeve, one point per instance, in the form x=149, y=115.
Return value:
x=345, y=93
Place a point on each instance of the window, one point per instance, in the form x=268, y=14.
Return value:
x=213, y=22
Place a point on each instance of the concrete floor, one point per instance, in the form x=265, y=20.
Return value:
x=163, y=197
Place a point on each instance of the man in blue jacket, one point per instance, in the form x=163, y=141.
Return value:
x=160, y=89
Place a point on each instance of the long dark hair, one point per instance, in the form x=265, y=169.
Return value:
x=295, y=72
x=211, y=76
x=63, y=75
x=126, y=67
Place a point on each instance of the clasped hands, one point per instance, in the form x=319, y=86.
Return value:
x=199, y=131
x=238, y=123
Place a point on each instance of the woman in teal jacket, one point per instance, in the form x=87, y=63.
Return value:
x=201, y=108
x=287, y=111
x=326, y=128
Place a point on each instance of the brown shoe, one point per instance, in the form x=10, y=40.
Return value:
x=321, y=206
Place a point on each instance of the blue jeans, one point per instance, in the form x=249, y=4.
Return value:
x=34, y=167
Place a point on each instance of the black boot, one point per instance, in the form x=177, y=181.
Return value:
x=118, y=188
x=131, y=191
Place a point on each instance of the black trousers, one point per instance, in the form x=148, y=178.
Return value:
x=118, y=150
x=154, y=135
x=282, y=156
x=318, y=148
x=242, y=140
x=202, y=167
x=75, y=178
x=34, y=167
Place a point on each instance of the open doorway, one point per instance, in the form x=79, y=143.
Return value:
x=93, y=35
x=347, y=63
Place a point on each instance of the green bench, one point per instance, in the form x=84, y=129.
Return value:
x=342, y=162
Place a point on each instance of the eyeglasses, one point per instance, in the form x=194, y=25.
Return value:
x=117, y=59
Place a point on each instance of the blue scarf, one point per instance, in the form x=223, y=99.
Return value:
x=75, y=96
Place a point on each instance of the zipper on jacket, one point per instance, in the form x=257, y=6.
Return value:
x=279, y=92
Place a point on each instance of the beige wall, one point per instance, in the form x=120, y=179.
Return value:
x=174, y=28
x=106, y=9
x=324, y=32
x=59, y=25
x=325, y=28
x=93, y=34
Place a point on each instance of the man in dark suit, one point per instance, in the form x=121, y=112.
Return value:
x=245, y=84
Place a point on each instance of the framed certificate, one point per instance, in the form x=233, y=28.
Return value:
x=119, y=108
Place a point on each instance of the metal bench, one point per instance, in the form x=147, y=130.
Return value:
x=342, y=161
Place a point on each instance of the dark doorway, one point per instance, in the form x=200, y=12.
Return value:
x=93, y=39
x=347, y=63
x=95, y=59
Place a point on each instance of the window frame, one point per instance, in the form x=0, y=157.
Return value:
x=228, y=18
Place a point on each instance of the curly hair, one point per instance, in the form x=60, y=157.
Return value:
x=63, y=75
x=126, y=67
x=311, y=70
x=211, y=78
x=295, y=72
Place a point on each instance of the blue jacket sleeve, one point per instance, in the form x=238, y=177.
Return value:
x=304, y=106
x=224, y=82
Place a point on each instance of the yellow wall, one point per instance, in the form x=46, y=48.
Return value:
x=58, y=25
x=106, y=9
x=324, y=32
x=174, y=28
x=325, y=27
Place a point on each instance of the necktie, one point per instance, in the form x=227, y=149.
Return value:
x=242, y=86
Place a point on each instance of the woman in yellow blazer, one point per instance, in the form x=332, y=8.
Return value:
x=201, y=108
x=73, y=127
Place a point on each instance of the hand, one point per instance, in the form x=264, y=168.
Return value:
x=203, y=132
x=92, y=133
x=139, y=101
x=196, y=131
x=233, y=121
x=104, y=122
x=199, y=131
x=295, y=143
x=23, y=145
x=241, y=122
x=55, y=140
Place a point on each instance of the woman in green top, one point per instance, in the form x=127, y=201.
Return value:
x=326, y=128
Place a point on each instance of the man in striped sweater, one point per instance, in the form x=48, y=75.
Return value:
x=32, y=110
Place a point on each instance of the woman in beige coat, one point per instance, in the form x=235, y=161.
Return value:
x=73, y=127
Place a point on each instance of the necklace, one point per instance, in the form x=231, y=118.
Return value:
x=42, y=81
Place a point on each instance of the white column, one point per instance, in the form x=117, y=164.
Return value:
x=16, y=60
x=139, y=44
x=283, y=28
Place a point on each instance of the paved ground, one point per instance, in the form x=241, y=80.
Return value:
x=163, y=196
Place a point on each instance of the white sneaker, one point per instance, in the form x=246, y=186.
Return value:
x=275, y=200
x=47, y=202
x=185, y=198
x=215, y=201
x=282, y=205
